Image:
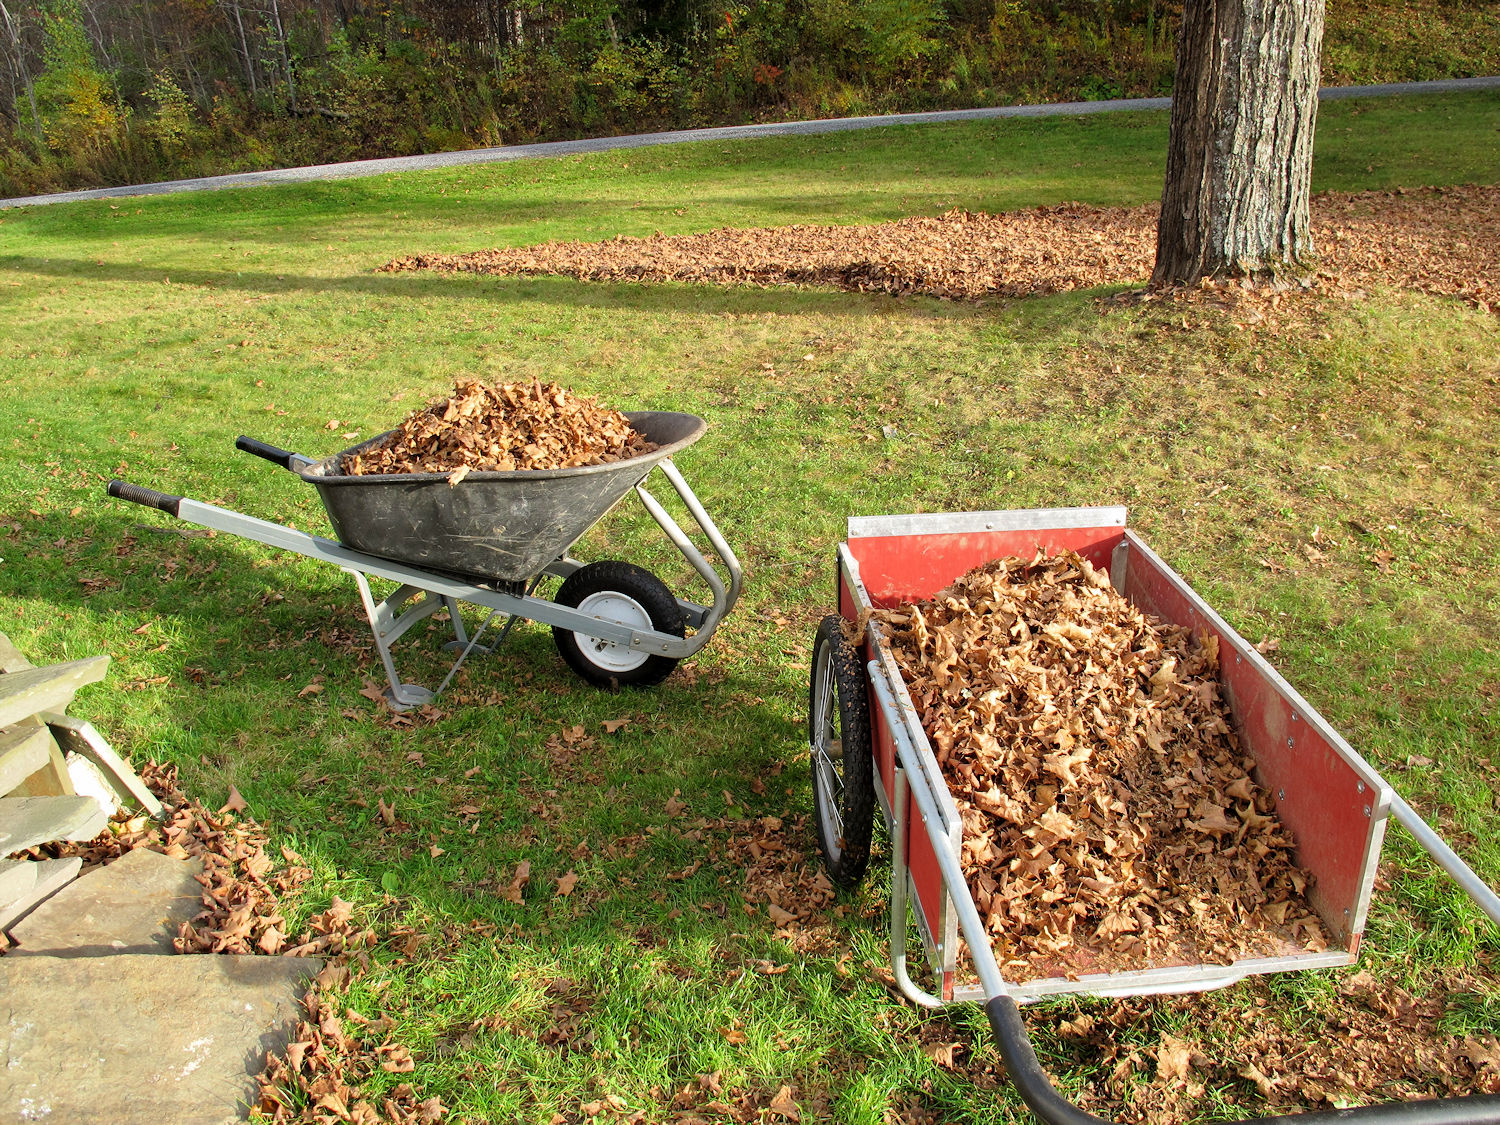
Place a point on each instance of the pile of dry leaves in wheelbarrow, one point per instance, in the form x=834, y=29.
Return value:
x=501, y=428
x=1110, y=821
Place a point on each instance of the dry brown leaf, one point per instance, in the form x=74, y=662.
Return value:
x=783, y=1105
x=513, y=892
x=565, y=884
x=1173, y=1059
x=236, y=803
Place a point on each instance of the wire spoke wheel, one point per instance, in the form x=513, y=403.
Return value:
x=838, y=725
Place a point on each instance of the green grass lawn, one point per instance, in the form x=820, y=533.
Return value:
x=139, y=337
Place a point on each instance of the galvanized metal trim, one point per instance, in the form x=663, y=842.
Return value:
x=1176, y=979
x=969, y=523
x=928, y=800
x=534, y=609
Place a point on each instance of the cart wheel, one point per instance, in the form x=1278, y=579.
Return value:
x=618, y=591
x=838, y=725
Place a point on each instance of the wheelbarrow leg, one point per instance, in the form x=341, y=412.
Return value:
x=386, y=626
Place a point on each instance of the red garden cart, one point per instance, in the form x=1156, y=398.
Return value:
x=868, y=749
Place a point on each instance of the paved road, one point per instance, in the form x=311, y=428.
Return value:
x=354, y=168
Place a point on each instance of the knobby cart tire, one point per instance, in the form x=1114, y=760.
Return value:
x=838, y=728
x=618, y=591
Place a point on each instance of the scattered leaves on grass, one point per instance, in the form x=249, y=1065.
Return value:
x=1110, y=821
x=501, y=428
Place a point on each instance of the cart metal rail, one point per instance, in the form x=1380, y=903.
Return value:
x=488, y=540
x=868, y=747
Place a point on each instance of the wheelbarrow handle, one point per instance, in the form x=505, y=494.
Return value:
x=281, y=457
x=162, y=501
x=1036, y=1088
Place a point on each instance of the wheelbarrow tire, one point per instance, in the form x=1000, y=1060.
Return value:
x=618, y=591
x=843, y=774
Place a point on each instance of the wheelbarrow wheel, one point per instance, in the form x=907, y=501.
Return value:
x=621, y=592
x=838, y=725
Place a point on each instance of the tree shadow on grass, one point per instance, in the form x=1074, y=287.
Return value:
x=653, y=297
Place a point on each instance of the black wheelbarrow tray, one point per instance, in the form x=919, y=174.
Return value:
x=868, y=747
x=487, y=539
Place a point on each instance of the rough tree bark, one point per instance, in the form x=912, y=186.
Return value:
x=1239, y=157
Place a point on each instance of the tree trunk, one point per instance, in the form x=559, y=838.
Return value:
x=1239, y=157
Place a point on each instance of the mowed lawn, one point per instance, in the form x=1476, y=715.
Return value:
x=1326, y=477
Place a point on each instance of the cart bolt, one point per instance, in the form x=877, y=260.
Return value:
x=1367, y=810
x=1289, y=742
x=1361, y=787
x=1294, y=716
x=1281, y=794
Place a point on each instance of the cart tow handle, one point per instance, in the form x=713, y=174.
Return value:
x=136, y=494
x=1036, y=1088
x=1030, y=1080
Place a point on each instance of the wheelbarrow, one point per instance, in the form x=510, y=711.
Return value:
x=868, y=749
x=488, y=540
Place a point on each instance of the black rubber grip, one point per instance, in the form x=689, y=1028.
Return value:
x=162, y=501
x=1032, y=1083
x=282, y=457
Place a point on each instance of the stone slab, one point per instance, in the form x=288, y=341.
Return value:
x=11, y=659
x=17, y=877
x=133, y=905
x=52, y=875
x=28, y=821
x=24, y=749
x=50, y=688
x=76, y=736
x=53, y=779
x=138, y=1040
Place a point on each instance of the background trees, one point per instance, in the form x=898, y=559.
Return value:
x=117, y=91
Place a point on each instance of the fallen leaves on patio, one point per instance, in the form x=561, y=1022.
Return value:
x=1110, y=821
x=1435, y=240
x=500, y=428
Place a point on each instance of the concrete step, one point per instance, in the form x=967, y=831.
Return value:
x=133, y=905
x=139, y=1039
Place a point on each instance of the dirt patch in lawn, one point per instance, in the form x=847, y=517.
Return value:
x=1435, y=240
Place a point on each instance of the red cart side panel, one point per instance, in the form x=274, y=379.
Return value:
x=1334, y=808
x=908, y=568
